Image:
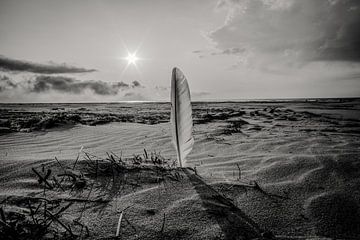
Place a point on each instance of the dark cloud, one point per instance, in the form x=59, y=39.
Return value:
x=120, y=85
x=6, y=83
x=7, y=64
x=342, y=32
x=233, y=50
x=136, y=84
x=310, y=30
x=70, y=85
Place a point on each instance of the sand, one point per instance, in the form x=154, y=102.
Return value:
x=304, y=156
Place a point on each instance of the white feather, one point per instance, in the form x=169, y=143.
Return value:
x=181, y=116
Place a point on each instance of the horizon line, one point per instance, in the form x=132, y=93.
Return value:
x=302, y=99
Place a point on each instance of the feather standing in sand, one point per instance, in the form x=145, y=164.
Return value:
x=181, y=119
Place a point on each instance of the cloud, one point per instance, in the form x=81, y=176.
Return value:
x=215, y=52
x=12, y=65
x=134, y=96
x=54, y=88
x=6, y=83
x=289, y=31
x=45, y=83
x=230, y=51
x=136, y=84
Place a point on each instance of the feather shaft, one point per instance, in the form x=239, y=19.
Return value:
x=181, y=116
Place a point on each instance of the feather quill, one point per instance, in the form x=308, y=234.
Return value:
x=181, y=116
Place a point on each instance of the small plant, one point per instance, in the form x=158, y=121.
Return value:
x=234, y=126
x=69, y=187
x=40, y=218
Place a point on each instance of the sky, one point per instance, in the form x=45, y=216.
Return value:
x=75, y=51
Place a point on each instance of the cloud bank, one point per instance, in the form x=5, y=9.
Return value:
x=46, y=83
x=12, y=65
x=23, y=81
x=289, y=31
x=71, y=85
x=51, y=88
x=6, y=83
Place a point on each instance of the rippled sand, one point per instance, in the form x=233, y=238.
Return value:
x=311, y=162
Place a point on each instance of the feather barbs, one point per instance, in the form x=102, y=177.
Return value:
x=181, y=116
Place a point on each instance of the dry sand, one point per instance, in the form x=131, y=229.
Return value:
x=304, y=157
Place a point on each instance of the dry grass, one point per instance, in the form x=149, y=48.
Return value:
x=88, y=183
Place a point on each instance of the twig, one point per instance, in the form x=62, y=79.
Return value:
x=239, y=171
x=82, y=226
x=67, y=228
x=2, y=214
x=109, y=156
x=119, y=224
x=5, y=224
x=78, y=156
x=42, y=179
x=72, y=176
x=119, y=158
x=115, y=155
x=146, y=154
x=63, y=209
x=59, y=163
x=132, y=226
x=31, y=212
x=76, y=160
x=86, y=200
x=257, y=187
x=37, y=208
x=45, y=210
x=58, y=184
x=163, y=225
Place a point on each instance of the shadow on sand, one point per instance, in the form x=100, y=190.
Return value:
x=234, y=223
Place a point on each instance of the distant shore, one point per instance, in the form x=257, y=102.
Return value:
x=29, y=117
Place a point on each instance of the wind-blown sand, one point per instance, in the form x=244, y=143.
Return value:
x=305, y=156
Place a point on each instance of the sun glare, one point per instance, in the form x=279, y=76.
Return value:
x=132, y=58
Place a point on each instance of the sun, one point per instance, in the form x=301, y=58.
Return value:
x=132, y=58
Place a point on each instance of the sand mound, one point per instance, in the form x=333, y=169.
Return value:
x=336, y=215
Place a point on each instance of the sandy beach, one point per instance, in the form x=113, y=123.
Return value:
x=288, y=169
x=180, y=120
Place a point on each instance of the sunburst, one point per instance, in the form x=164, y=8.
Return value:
x=132, y=58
